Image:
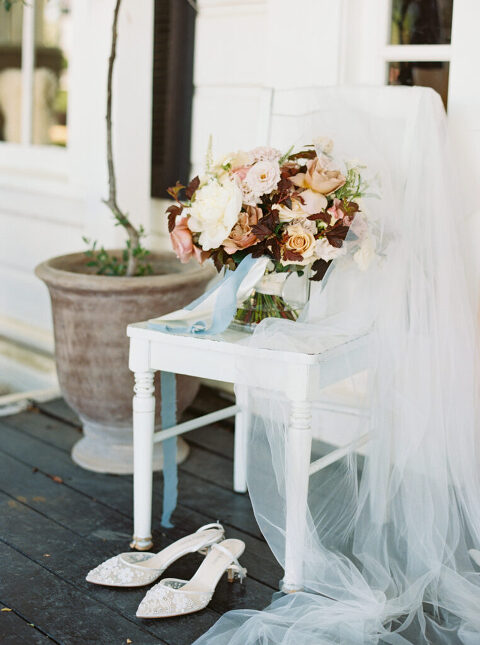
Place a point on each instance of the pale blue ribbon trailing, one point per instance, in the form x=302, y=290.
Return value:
x=223, y=313
x=168, y=388
x=225, y=305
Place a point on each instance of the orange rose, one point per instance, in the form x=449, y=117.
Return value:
x=318, y=178
x=301, y=241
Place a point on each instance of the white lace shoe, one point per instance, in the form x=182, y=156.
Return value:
x=138, y=569
x=173, y=597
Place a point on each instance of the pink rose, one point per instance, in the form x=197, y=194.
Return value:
x=182, y=242
x=241, y=172
x=335, y=211
x=241, y=236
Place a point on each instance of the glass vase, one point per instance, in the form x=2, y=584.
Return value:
x=278, y=295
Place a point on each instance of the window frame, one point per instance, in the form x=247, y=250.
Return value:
x=373, y=18
x=24, y=161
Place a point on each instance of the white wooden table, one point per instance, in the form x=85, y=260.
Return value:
x=300, y=377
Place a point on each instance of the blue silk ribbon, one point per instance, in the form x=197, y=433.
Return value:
x=168, y=387
x=225, y=305
x=224, y=311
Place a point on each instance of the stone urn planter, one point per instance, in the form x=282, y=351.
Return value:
x=90, y=316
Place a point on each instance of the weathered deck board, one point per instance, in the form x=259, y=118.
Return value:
x=53, y=532
x=14, y=630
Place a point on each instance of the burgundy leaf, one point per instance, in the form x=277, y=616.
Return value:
x=192, y=187
x=293, y=256
x=303, y=154
x=336, y=234
x=322, y=216
x=259, y=249
x=320, y=267
x=266, y=226
x=274, y=248
x=173, y=211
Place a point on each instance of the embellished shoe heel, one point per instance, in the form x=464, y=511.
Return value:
x=236, y=572
x=174, y=597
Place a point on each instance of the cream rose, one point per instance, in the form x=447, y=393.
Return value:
x=215, y=212
x=301, y=241
x=263, y=177
x=297, y=211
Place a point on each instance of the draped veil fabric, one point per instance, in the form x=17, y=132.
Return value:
x=386, y=556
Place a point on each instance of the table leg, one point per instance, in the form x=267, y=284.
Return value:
x=143, y=429
x=297, y=461
x=241, y=445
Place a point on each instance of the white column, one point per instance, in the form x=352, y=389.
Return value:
x=297, y=463
x=143, y=429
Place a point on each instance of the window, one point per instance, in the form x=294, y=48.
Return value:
x=418, y=51
x=34, y=53
x=174, y=28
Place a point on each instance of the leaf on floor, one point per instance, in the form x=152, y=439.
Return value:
x=55, y=478
x=5, y=609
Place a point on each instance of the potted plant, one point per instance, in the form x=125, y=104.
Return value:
x=94, y=295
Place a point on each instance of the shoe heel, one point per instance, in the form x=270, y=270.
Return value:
x=235, y=572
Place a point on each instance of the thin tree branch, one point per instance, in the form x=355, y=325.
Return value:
x=121, y=217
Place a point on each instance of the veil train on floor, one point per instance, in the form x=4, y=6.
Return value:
x=387, y=552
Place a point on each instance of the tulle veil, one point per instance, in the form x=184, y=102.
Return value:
x=386, y=557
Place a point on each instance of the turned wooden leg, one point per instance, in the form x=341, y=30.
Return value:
x=143, y=429
x=241, y=445
x=297, y=462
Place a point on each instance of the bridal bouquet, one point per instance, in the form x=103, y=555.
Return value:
x=295, y=208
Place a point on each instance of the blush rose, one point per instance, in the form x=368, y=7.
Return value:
x=241, y=236
x=182, y=242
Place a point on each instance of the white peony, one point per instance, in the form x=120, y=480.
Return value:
x=215, y=212
x=325, y=251
x=263, y=177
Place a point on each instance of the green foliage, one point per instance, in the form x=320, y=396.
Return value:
x=107, y=264
x=285, y=156
x=355, y=186
x=8, y=4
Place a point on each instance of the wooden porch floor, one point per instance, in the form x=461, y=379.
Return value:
x=57, y=521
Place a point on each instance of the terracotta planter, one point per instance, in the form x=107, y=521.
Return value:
x=90, y=315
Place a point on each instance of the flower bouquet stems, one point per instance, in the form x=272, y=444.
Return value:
x=263, y=305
